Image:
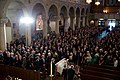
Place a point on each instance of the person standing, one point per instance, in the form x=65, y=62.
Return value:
x=64, y=72
x=71, y=73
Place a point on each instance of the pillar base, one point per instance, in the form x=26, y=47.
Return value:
x=51, y=77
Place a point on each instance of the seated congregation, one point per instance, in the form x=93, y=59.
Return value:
x=79, y=46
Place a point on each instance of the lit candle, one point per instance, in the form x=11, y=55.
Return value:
x=51, y=68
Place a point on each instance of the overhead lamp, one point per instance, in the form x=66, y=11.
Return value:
x=26, y=20
x=118, y=0
x=105, y=11
x=97, y=3
x=88, y=1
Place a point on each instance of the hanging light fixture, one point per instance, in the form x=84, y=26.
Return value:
x=105, y=11
x=97, y=3
x=118, y=0
x=88, y=1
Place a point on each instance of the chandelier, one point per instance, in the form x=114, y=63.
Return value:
x=105, y=11
x=97, y=3
x=88, y=1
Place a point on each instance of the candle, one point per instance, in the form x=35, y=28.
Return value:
x=51, y=68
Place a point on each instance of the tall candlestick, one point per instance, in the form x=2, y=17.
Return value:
x=51, y=68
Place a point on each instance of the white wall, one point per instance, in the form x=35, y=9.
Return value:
x=8, y=34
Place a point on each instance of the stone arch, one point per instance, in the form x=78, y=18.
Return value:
x=39, y=14
x=78, y=12
x=71, y=12
x=77, y=17
x=82, y=11
x=86, y=17
x=63, y=11
x=72, y=18
x=87, y=11
x=82, y=17
x=53, y=11
x=34, y=3
x=39, y=8
x=21, y=4
x=14, y=10
x=53, y=16
x=63, y=15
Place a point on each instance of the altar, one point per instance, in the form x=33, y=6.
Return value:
x=60, y=65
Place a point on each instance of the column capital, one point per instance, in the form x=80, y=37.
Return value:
x=4, y=20
x=56, y=17
x=72, y=16
x=45, y=18
x=66, y=17
x=83, y=16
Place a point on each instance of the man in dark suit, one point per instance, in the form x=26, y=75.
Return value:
x=71, y=73
x=64, y=72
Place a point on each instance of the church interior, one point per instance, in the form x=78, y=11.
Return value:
x=59, y=39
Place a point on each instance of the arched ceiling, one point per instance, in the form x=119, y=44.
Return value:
x=15, y=10
x=14, y=5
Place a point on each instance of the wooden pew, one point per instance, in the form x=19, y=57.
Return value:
x=2, y=69
x=19, y=73
x=94, y=71
x=102, y=70
x=105, y=67
x=91, y=77
x=101, y=74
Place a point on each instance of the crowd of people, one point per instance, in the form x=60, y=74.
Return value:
x=79, y=46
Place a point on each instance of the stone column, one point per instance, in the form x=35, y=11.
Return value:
x=78, y=22
x=45, y=27
x=66, y=24
x=3, y=40
x=96, y=22
x=57, y=25
x=87, y=23
x=83, y=21
x=72, y=23
x=28, y=34
x=106, y=22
